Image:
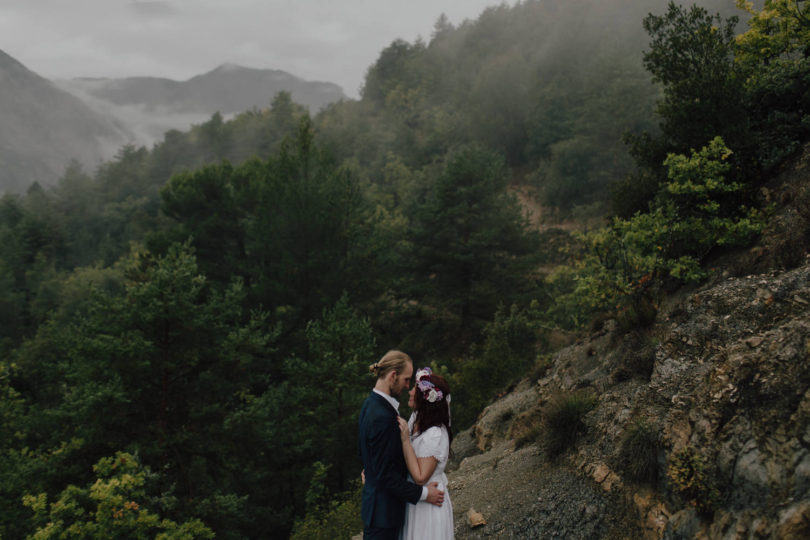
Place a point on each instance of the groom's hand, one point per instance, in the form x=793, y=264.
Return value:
x=435, y=496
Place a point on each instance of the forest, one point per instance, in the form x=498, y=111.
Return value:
x=186, y=331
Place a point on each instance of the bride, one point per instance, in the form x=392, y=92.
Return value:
x=426, y=440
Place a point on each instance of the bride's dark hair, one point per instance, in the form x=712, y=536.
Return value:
x=433, y=414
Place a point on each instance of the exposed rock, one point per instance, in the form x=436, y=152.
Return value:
x=683, y=525
x=728, y=375
x=751, y=474
x=653, y=513
x=754, y=342
x=794, y=523
x=464, y=446
x=600, y=473
x=494, y=421
x=475, y=518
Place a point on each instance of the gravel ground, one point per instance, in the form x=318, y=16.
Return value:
x=521, y=496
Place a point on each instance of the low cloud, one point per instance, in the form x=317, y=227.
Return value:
x=152, y=9
x=325, y=40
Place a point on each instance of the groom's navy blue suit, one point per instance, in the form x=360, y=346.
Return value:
x=386, y=490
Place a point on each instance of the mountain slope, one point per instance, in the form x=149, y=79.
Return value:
x=720, y=385
x=44, y=128
x=730, y=381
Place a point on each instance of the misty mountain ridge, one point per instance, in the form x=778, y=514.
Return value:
x=229, y=88
x=48, y=124
x=153, y=105
x=44, y=128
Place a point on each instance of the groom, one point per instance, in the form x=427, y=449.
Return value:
x=386, y=489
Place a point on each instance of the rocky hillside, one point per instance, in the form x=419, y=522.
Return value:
x=699, y=426
x=44, y=128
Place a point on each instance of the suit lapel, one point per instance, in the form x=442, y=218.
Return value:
x=382, y=402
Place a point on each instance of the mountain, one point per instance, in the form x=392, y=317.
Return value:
x=47, y=124
x=153, y=105
x=44, y=128
x=228, y=89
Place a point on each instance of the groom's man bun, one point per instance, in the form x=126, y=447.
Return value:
x=391, y=361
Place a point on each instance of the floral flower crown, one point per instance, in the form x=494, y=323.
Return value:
x=428, y=389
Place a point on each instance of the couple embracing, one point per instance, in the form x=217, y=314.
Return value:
x=404, y=490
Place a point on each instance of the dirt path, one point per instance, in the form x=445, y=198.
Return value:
x=521, y=496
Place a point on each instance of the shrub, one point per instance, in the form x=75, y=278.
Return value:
x=787, y=240
x=627, y=264
x=637, y=353
x=638, y=452
x=692, y=479
x=509, y=344
x=564, y=422
x=639, y=311
x=506, y=354
x=114, y=506
x=339, y=518
x=527, y=428
x=541, y=366
x=531, y=435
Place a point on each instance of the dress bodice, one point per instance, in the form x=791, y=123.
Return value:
x=433, y=442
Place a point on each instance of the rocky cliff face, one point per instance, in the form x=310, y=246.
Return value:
x=721, y=388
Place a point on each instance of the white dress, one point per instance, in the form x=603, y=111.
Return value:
x=425, y=521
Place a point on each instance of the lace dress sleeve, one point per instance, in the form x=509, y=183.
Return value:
x=433, y=443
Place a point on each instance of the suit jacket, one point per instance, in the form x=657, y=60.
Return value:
x=386, y=489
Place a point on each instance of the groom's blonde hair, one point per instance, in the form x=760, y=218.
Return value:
x=391, y=361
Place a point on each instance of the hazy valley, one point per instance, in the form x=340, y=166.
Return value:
x=47, y=124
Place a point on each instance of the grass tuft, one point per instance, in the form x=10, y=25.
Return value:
x=565, y=422
x=638, y=453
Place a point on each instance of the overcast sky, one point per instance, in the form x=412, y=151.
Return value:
x=327, y=40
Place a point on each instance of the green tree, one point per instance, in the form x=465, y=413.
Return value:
x=692, y=54
x=469, y=247
x=215, y=138
x=284, y=117
x=774, y=53
x=502, y=88
x=307, y=231
x=507, y=352
x=397, y=66
x=341, y=344
x=13, y=466
x=781, y=29
x=124, y=177
x=115, y=506
x=696, y=211
x=157, y=369
x=307, y=415
x=206, y=205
